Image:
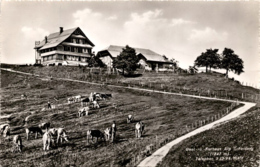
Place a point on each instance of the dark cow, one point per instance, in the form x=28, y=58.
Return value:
x=95, y=133
x=33, y=129
x=85, y=101
x=45, y=125
x=105, y=96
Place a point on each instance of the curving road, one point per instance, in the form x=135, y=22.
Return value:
x=158, y=155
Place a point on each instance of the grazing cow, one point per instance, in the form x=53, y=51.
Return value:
x=6, y=132
x=3, y=127
x=82, y=110
x=94, y=133
x=108, y=133
x=33, y=129
x=45, y=125
x=17, y=143
x=47, y=140
x=139, y=129
x=113, y=131
x=61, y=135
x=85, y=101
x=70, y=100
x=105, y=96
x=95, y=104
x=129, y=119
x=77, y=98
x=23, y=96
x=91, y=97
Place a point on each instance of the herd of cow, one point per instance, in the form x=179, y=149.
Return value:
x=50, y=134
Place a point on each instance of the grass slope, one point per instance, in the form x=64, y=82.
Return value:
x=241, y=136
x=162, y=115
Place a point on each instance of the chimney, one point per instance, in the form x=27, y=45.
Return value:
x=46, y=39
x=61, y=30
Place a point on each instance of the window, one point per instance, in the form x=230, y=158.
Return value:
x=80, y=50
x=66, y=48
x=72, y=49
x=77, y=40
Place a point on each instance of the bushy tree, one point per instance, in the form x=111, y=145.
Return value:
x=209, y=59
x=231, y=62
x=127, y=60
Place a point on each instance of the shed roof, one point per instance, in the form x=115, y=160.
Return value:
x=56, y=38
x=147, y=53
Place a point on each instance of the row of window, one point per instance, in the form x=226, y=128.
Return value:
x=65, y=57
x=68, y=48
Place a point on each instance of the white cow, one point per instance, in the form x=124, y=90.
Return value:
x=47, y=140
x=61, y=135
x=108, y=133
x=139, y=129
x=77, y=98
x=17, y=143
x=95, y=104
x=82, y=110
x=129, y=119
x=2, y=127
x=6, y=132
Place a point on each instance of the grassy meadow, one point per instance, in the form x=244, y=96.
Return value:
x=163, y=116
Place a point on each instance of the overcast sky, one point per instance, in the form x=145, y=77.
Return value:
x=180, y=30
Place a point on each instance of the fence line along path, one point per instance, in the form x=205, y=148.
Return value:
x=158, y=155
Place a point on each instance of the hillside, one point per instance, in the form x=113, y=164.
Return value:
x=165, y=117
x=238, y=145
x=212, y=84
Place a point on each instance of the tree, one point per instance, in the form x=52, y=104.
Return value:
x=231, y=62
x=127, y=60
x=209, y=59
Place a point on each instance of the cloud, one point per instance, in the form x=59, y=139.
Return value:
x=114, y=17
x=207, y=35
x=180, y=21
x=34, y=33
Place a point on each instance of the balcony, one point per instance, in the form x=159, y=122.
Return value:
x=65, y=53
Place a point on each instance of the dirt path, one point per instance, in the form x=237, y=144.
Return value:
x=158, y=155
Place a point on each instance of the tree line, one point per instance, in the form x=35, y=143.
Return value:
x=227, y=60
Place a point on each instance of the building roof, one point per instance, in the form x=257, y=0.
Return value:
x=56, y=38
x=147, y=53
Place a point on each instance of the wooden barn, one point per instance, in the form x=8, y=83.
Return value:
x=66, y=47
x=149, y=59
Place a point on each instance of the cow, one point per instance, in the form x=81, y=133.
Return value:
x=6, y=132
x=70, y=100
x=85, y=101
x=95, y=133
x=17, y=143
x=77, y=98
x=95, y=104
x=129, y=119
x=139, y=129
x=113, y=131
x=61, y=135
x=45, y=125
x=105, y=96
x=2, y=127
x=47, y=139
x=33, y=129
x=23, y=96
x=82, y=110
x=108, y=133
x=91, y=97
